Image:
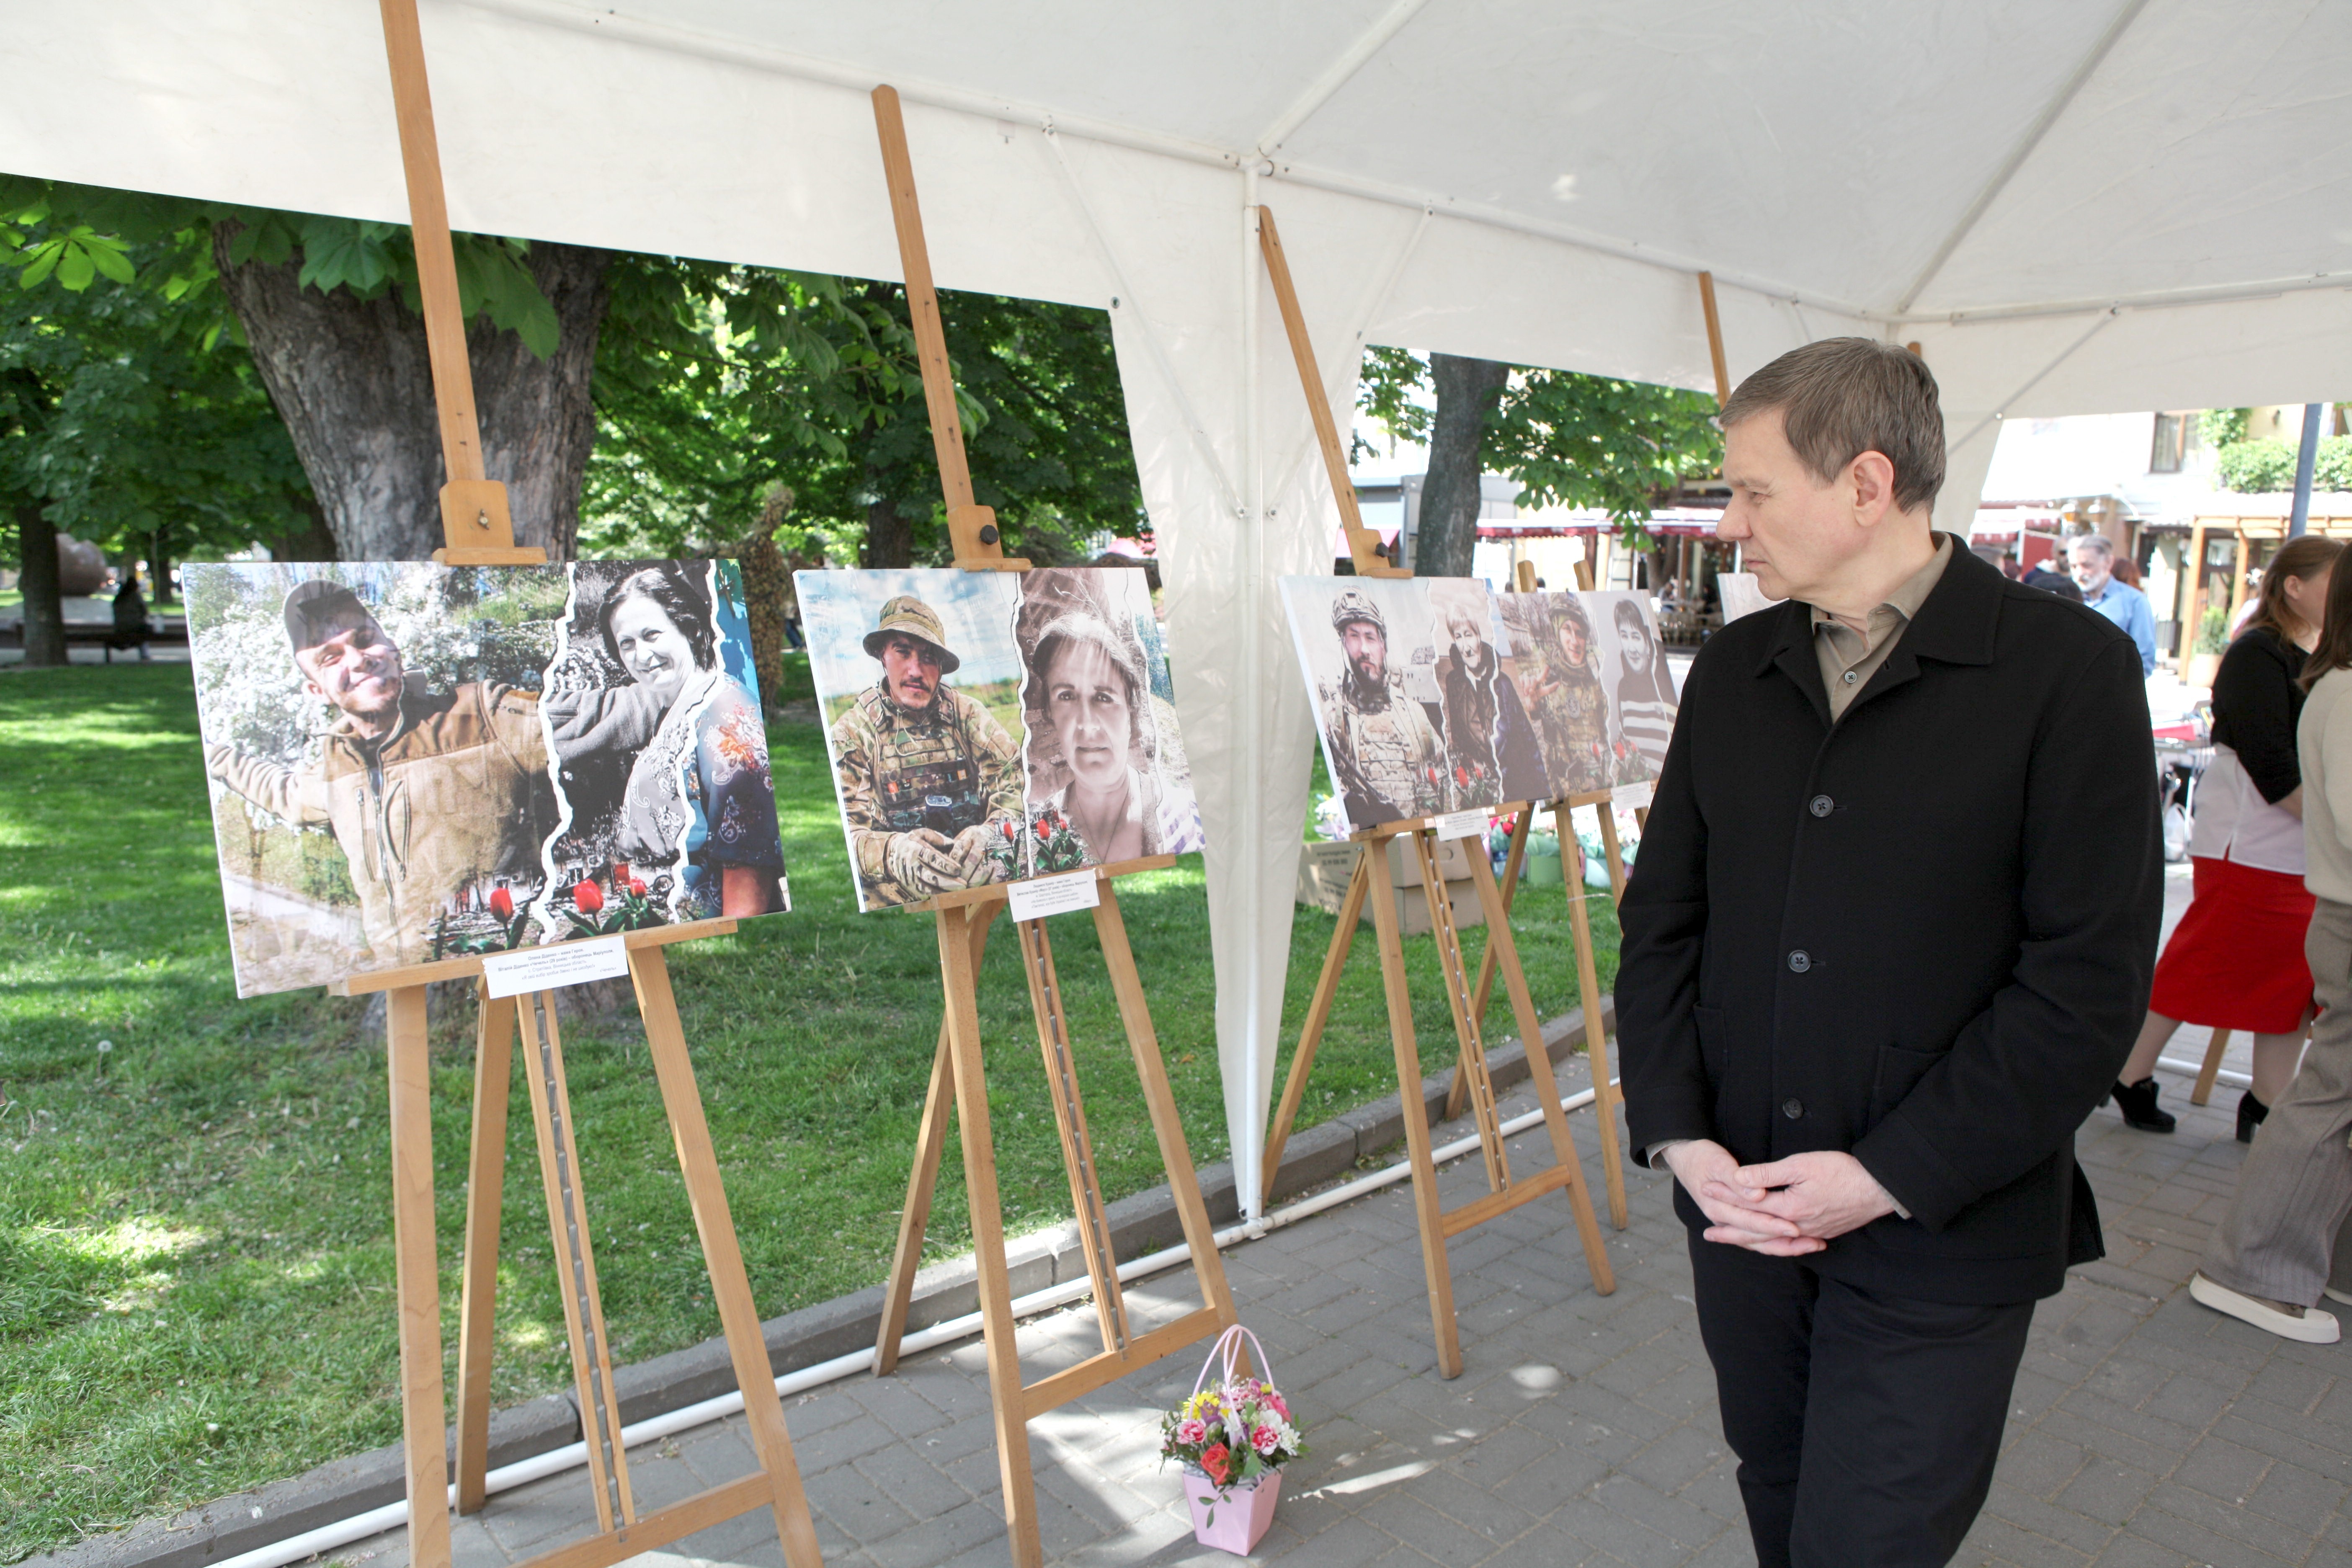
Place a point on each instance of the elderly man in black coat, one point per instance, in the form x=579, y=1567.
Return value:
x=1890, y=935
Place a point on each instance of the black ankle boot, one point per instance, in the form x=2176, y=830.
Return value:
x=2251, y=1112
x=2138, y=1103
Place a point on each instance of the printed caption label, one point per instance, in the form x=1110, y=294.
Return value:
x=1461, y=825
x=1042, y=896
x=1633, y=796
x=566, y=964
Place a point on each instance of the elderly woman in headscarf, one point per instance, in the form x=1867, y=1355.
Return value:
x=700, y=800
x=1089, y=687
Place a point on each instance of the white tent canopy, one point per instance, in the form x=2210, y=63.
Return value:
x=2072, y=208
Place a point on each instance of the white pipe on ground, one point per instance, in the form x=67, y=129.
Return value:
x=393, y=1516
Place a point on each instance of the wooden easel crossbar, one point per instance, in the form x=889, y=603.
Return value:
x=959, y=1086
x=478, y=531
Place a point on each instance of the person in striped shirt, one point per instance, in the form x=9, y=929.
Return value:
x=1645, y=694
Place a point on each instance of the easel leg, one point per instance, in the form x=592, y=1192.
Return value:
x=1610, y=849
x=959, y=981
x=1167, y=1126
x=1596, y=1036
x=2211, y=1069
x=930, y=1141
x=1563, y=1142
x=1426, y=1207
x=1319, y=1014
x=1472, y=1065
x=763, y=1413
x=575, y=1264
x=418, y=1276
x=1070, y=1122
x=485, y=1194
x=1485, y=986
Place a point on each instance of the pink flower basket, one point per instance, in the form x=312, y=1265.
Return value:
x=1238, y=1520
x=1241, y=1430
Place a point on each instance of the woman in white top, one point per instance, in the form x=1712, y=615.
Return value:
x=2236, y=962
x=2286, y=1240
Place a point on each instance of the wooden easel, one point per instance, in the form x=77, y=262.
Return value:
x=478, y=532
x=958, y=1087
x=1503, y=1191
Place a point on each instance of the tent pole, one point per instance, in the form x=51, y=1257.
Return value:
x=1714, y=338
x=1250, y=1183
x=2305, y=462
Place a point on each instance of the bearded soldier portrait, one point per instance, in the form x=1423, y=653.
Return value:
x=1388, y=764
x=929, y=782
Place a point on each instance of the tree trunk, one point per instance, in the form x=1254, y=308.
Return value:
x=890, y=537
x=45, y=611
x=353, y=382
x=766, y=580
x=316, y=542
x=159, y=566
x=1447, y=528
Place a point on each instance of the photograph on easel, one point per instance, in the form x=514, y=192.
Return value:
x=411, y=762
x=1556, y=664
x=1642, y=697
x=1105, y=772
x=1368, y=647
x=986, y=727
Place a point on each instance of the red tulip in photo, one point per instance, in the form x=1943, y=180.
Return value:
x=502, y=904
x=636, y=887
x=588, y=896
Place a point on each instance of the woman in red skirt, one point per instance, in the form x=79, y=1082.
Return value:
x=2235, y=962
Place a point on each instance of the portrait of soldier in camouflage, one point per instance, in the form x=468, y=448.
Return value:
x=929, y=782
x=1385, y=756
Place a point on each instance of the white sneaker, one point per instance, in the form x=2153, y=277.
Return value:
x=2314, y=1328
x=2333, y=1294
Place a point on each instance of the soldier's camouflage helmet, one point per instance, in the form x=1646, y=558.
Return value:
x=1353, y=606
x=909, y=615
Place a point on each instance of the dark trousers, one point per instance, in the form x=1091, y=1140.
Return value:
x=1866, y=1424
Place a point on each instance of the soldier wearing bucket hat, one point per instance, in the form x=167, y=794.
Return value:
x=1386, y=756
x=927, y=778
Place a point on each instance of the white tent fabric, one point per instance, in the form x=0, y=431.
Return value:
x=2076, y=208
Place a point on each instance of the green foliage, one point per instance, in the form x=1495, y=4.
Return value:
x=730, y=396
x=123, y=419
x=1569, y=439
x=165, y=244
x=2213, y=630
x=2267, y=467
x=2220, y=428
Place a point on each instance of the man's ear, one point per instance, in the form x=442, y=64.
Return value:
x=1870, y=487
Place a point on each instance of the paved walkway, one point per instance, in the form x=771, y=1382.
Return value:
x=2147, y=1430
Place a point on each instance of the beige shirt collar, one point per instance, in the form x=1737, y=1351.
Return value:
x=1849, y=657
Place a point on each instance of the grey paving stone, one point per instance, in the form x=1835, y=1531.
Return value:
x=2144, y=1429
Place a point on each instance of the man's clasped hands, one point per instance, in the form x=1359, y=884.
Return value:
x=932, y=862
x=1783, y=1209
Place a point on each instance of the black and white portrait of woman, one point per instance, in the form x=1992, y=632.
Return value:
x=653, y=712
x=1106, y=779
x=1645, y=696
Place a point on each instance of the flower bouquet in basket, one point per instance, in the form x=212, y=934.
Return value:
x=1232, y=1438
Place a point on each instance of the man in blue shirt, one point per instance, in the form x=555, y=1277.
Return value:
x=2093, y=558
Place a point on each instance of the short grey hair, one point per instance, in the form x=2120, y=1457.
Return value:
x=2100, y=543
x=1840, y=397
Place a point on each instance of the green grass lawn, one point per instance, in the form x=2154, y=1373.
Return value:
x=195, y=1262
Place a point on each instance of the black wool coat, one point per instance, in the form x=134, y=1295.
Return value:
x=1924, y=934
